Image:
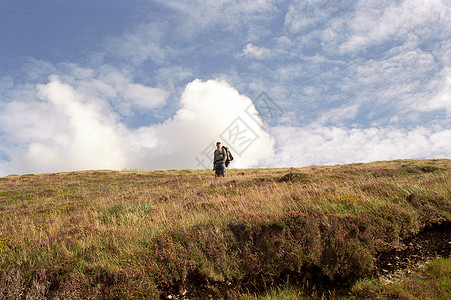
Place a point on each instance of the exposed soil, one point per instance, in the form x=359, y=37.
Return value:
x=432, y=242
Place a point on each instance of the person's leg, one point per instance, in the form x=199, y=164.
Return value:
x=217, y=170
x=223, y=170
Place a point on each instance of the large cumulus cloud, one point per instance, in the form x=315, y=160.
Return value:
x=64, y=129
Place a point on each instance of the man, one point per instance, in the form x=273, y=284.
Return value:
x=219, y=159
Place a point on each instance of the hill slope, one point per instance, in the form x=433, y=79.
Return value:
x=183, y=233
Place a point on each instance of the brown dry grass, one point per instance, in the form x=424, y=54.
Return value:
x=96, y=234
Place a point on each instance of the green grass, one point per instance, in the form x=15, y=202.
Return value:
x=431, y=282
x=135, y=234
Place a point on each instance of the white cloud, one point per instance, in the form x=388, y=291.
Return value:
x=207, y=110
x=401, y=83
x=114, y=86
x=441, y=99
x=189, y=24
x=22, y=122
x=257, y=52
x=66, y=129
x=301, y=16
x=338, y=115
x=395, y=80
x=373, y=25
x=145, y=42
x=89, y=137
x=304, y=146
x=290, y=71
x=145, y=97
x=405, y=67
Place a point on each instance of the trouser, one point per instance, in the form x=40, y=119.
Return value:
x=220, y=169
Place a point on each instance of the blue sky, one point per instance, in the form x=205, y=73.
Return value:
x=153, y=84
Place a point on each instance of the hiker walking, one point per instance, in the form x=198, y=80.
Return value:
x=219, y=159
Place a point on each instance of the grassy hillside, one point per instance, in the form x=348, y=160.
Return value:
x=185, y=234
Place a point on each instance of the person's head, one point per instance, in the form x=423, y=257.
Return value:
x=218, y=145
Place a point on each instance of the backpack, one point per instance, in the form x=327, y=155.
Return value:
x=229, y=156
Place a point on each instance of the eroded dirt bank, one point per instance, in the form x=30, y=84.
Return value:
x=434, y=241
